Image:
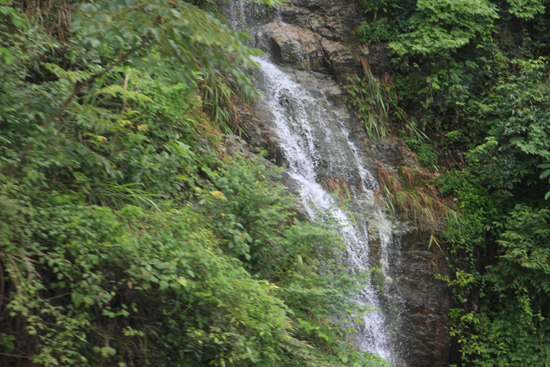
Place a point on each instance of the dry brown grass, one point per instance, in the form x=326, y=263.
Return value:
x=339, y=186
x=53, y=16
x=412, y=198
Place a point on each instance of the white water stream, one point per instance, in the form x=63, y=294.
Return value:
x=298, y=143
x=303, y=123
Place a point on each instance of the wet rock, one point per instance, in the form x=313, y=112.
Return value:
x=200, y=140
x=342, y=60
x=316, y=35
x=423, y=301
x=259, y=132
x=292, y=45
x=311, y=4
x=377, y=56
x=333, y=20
x=328, y=121
x=390, y=154
x=424, y=323
x=420, y=300
x=320, y=30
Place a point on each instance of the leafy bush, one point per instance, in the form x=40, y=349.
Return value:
x=125, y=237
x=512, y=325
x=426, y=154
x=89, y=282
x=526, y=9
x=105, y=276
x=445, y=25
x=381, y=30
x=517, y=139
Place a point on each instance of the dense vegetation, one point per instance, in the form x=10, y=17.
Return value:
x=474, y=75
x=128, y=236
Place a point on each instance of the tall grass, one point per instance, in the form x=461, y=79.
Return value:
x=222, y=103
x=411, y=198
x=339, y=187
x=366, y=96
x=376, y=102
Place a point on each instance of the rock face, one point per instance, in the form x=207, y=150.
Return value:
x=341, y=59
x=317, y=35
x=314, y=35
x=313, y=44
x=333, y=20
x=291, y=45
x=234, y=145
x=426, y=302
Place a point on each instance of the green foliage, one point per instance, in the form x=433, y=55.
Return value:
x=106, y=275
x=544, y=174
x=478, y=210
x=175, y=36
x=128, y=261
x=525, y=257
x=250, y=214
x=434, y=79
x=517, y=139
x=14, y=20
x=253, y=218
x=173, y=40
x=512, y=291
x=381, y=30
x=221, y=102
x=375, y=6
x=387, y=19
x=445, y=25
x=526, y=9
x=471, y=72
x=506, y=337
x=124, y=238
x=426, y=155
x=366, y=96
x=512, y=328
x=12, y=16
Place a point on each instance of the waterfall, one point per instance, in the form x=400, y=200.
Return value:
x=317, y=146
x=294, y=110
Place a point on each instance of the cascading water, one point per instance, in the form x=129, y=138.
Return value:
x=293, y=110
x=316, y=146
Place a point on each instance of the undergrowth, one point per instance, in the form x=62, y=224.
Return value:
x=127, y=236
